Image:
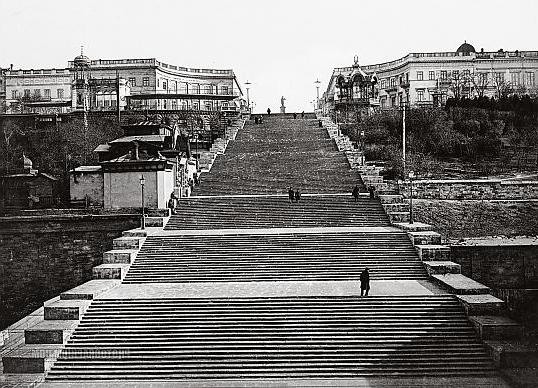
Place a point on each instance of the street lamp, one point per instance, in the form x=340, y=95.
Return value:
x=411, y=176
x=317, y=83
x=143, y=221
x=403, y=106
x=248, y=96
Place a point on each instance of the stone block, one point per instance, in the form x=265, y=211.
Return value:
x=135, y=233
x=398, y=217
x=414, y=227
x=110, y=271
x=441, y=267
x=492, y=327
x=119, y=256
x=460, y=285
x=513, y=354
x=482, y=304
x=433, y=252
x=156, y=222
x=396, y=207
x=65, y=310
x=390, y=198
x=49, y=332
x=128, y=242
x=31, y=358
x=425, y=238
x=89, y=290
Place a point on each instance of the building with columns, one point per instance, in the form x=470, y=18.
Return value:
x=145, y=84
x=428, y=79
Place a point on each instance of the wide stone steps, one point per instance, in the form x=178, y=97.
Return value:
x=283, y=256
x=269, y=157
x=276, y=212
x=147, y=339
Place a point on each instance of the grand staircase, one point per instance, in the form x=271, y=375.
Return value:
x=280, y=338
x=251, y=286
x=280, y=153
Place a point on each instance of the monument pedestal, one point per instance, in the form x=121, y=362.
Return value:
x=282, y=109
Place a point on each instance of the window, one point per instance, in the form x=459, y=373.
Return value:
x=14, y=94
x=195, y=106
x=195, y=88
x=514, y=78
x=499, y=77
x=37, y=93
x=420, y=75
x=207, y=89
x=529, y=78
x=444, y=74
x=432, y=75
x=224, y=90
x=165, y=85
x=60, y=93
x=383, y=83
x=132, y=81
x=420, y=95
x=27, y=93
x=456, y=74
x=466, y=74
x=46, y=93
x=175, y=86
x=145, y=81
x=383, y=102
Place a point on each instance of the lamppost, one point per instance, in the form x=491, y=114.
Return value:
x=411, y=176
x=403, y=137
x=143, y=221
x=317, y=83
x=248, y=96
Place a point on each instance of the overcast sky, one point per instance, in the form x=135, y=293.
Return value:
x=280, y=46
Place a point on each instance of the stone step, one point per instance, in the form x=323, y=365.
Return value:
x=110, y=271
x=388, y=198
x=119, y=256
x=49, y=332
x=396, y=207
x=127, y=242
x=433, y=252
x=414, y=227
x=31, y=358
x=441, y=267
x=482, y=304
x=493, y=327
x=65, y=310
x=135, y=233
x=89, y=290
x=398, y=217
x=425, y=238
x=460, y=285
x=156, y=222
x=512, y=353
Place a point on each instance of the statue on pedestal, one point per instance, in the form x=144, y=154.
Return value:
x=282, y=107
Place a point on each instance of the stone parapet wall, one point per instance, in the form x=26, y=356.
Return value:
x=470, y=189
x=40, y=257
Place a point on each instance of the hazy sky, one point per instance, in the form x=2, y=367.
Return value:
x=281, y=46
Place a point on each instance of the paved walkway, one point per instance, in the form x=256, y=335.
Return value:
x=269, y=289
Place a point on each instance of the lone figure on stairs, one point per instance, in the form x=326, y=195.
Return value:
x=291, y=194
x=355, y=193
x=365, y=282
x=297, y=195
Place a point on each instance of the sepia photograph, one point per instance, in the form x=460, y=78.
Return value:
x=280, y=193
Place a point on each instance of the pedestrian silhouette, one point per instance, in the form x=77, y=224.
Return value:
x=295, y=115
x=355, y=193
x=256, y=119
x=371, y=189
x=365, y=282
x=297, y=195
x=268, y=111
x=291, y=194
x=302, y=114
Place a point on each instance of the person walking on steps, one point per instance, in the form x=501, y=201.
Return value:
x=355, y=193
x=371, y=190
x=302, y=114
x=294, y=116
x=291, y=194
x=269, y=111
x=297, y=195
x=365, y=282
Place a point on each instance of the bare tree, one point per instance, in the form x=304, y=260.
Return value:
x=480, y=82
